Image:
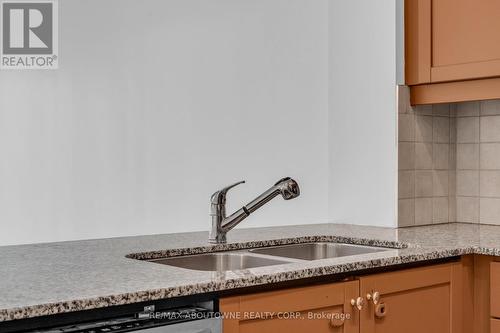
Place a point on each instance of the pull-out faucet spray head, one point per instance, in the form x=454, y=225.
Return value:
x=287, y=187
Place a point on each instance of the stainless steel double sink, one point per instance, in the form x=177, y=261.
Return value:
x=266, y=256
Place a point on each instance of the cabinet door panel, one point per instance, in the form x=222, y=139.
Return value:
x=465, y=31
x=266, y=312
x=415, y=300
x=418, y=310
x=450, y=41
x=465, y=39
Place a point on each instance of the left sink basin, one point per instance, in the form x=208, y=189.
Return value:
x=219, y=261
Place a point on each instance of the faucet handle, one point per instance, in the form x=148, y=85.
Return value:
x=219, y=197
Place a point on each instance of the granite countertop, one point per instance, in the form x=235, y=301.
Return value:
x=53, y=278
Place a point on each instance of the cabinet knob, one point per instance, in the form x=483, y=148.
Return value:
x=380, y=310
x=374, y=297
x=358, y=303
x=337, y=321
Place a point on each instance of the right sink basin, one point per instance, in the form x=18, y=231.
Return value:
x=315, y=251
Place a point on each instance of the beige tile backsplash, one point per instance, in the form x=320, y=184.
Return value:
x=467, y=129
x=489, y=183
x=423, y=156
x=467, y=156
x=468, y=109
x=467, y=183
x=467, y=209
x=449, y=162
x=440, y=210
x=489, y=156
x=441, y=156
x=489, y=128
x=423, y=183
x=489, y=210
x=427, y=163
x=423, y=128
x=423, y=211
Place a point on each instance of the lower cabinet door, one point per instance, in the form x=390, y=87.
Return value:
x=315, y=309
x=420, y=300
x=495, y=289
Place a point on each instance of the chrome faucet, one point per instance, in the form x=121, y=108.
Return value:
x=221, y=224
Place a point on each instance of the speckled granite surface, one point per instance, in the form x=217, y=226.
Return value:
x=44, y=279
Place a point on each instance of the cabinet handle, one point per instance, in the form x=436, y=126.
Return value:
x=380, y=310
x=358, y=303
x=336, y=322
x=374, y=297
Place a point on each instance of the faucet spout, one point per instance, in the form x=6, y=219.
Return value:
x=287, y=187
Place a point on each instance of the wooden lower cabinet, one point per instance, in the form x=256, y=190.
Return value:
x=427, y=299
x=290, y=310
x=418, y=300
x=486, y=294
x=495, y=289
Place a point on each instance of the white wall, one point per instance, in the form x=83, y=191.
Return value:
x=157, y=104
x=362, y=110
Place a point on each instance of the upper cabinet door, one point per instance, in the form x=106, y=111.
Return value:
x=451, y=40
x=465, y=39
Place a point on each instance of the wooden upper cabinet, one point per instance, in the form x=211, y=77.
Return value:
x=448, y=42
x=417, y=41
x=451, y=40
x=465, y=39
x=427, y=299
x=279, y=311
